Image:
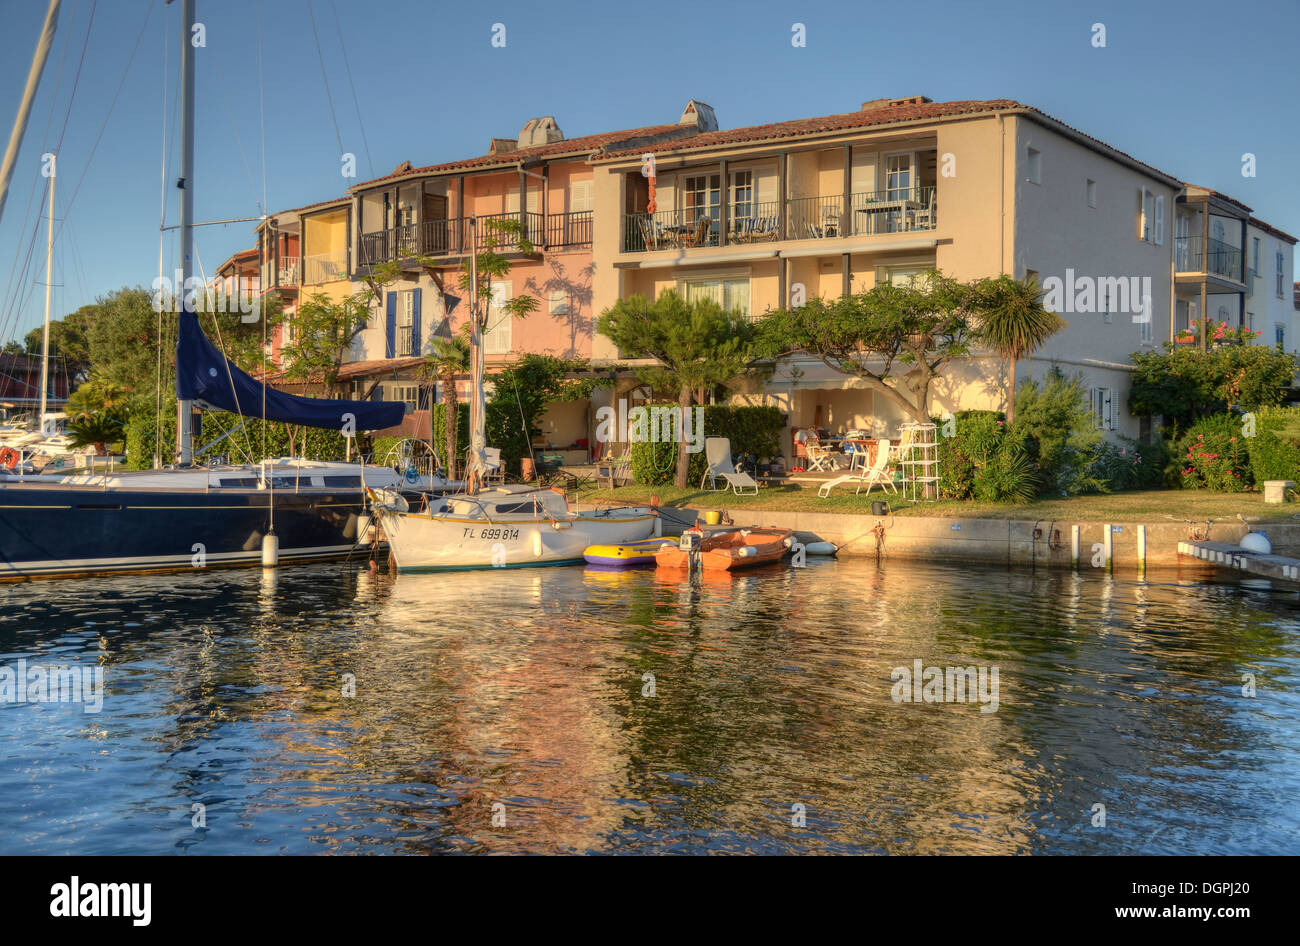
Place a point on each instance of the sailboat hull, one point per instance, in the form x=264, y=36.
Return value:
x=52, y=530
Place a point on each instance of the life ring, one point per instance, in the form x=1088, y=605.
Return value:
x=8, y=458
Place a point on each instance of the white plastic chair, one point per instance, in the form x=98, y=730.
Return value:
x=875, y=475
x=717, y=451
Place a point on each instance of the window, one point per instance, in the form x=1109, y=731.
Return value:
x=579, y=196
x=731, y=293
x=898, y=176
x=496, y=338
x=406, y=343
x=1254, y=266
x=559, y=302
x=1281, y=261
x=742, y=194
x=408, y=394
x=902, y=275
x=1034, y=166
x=1102, y=405
x=1092, y=193
x=1151, y=217
x=1279, y=334
x=1145, y=330
x=702, y=196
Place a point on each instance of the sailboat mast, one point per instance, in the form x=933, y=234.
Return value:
x=49, y=281
x=478, y=434
x=29, y=95
x=184, y=408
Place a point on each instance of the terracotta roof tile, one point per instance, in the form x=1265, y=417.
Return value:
x=1269, y=228
x=580, y=145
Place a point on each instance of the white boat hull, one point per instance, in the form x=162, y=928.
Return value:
x=421, y=542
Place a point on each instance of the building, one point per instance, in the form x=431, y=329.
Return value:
x=837, y=204
x=765, y=216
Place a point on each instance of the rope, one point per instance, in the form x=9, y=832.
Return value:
x=355, y=102
x=325, y=78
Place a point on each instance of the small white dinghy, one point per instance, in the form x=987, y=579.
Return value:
x=513, y=526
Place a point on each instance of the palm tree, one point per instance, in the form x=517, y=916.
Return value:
x=97, y=429
x=450, y=358
x=1012, y=321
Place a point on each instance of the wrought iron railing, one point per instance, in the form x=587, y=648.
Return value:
x=449, y=237
x=898, y=210
x=287, y=271
x=1194, y=254
x=569, y=229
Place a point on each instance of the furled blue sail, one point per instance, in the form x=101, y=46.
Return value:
x=204, y=374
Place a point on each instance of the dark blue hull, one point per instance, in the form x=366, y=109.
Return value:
x=50, y=529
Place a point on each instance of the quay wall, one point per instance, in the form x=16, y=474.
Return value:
x=1005, y=541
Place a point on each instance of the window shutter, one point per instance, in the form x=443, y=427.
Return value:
x=415, y=321
x=1141, y=216
x=1113, y=410
x=1160, y=221
x=390, y=327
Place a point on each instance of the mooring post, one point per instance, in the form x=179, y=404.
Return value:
x=1074, y=546
x=1142, y=549
x=1108, y=543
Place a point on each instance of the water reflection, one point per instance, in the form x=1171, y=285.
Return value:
x=337, y=709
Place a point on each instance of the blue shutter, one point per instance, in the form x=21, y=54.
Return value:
x=415, y=323
x=390, y=336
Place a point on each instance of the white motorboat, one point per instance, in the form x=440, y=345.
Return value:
x=513, y=526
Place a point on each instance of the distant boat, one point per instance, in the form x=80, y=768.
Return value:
x=726, y=551
x=513, y=526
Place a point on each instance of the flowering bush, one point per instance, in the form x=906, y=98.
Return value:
x=1213, y=455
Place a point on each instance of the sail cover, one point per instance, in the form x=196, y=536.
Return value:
x=204, y=374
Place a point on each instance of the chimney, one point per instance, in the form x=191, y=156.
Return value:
x=540, y=131
x=502, y=145
x=894, y=103
x=699, y=115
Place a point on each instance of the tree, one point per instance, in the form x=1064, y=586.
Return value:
x=96, y=396
x=896, y=339
x=1011, y=320
x=523, y=391
x=450, y=359
x=1182, y=383
x=97, y=430
x=698, y=345
x=323, y=332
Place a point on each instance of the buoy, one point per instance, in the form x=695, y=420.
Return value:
x=270, y=550
x=1257, y=542
x=820, y=548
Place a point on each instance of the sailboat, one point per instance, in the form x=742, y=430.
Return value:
x=279, y=511
x=515, y=526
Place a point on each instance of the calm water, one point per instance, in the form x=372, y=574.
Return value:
x=771, y=691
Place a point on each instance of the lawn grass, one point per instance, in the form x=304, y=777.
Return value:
x=1138, y=506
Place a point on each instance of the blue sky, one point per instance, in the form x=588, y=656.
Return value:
x=1187, y=87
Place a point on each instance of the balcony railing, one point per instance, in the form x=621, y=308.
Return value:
x=805, y=218
x=452, y=237
x=569, y=229
x=287, y=272
x=324, y=267
x=1220, y=259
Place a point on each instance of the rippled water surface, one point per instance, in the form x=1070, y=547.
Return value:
x=525, y=697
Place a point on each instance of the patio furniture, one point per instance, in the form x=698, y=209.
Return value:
x=821, y=456
x=649, y=233
x=494, y=470
x=615, y=468
x=717, y=451
x=700, y=237
x=875, y=475
x=923, y=217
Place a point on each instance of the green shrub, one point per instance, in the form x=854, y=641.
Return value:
x=983, y=460
x=1275, y=448
x=1213, y=455
x=752, y=430
x=1128, y=465
x=1060, y=434
x=653, y=464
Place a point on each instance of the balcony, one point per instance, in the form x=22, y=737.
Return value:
x=287, y=271
x=452, y=237
x=324, y=267
x=1222, y=260
x=804, y=218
